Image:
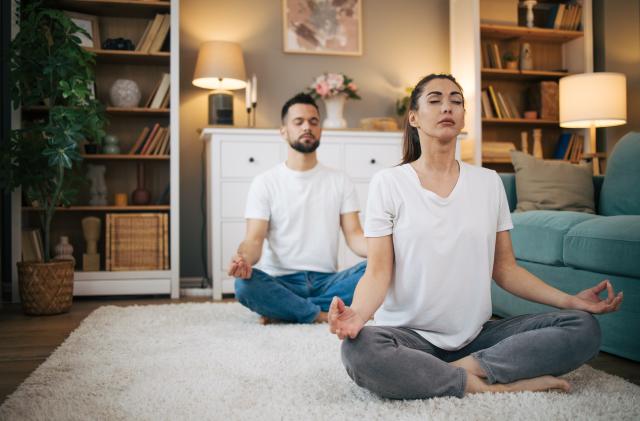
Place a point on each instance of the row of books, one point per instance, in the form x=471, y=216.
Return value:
x=32, y=248
x=497, y=150
x=154, y=38
x=491, y=57
x=570, y=147
x=152, y=141
x=496, y=104
x=564, y=16
x=159, y=97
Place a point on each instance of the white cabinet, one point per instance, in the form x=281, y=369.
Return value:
x=235, y=156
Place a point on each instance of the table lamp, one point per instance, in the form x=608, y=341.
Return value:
x=220, y=66
x=591, y=100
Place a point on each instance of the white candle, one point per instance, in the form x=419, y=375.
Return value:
x=247, y=95
x=254, y=89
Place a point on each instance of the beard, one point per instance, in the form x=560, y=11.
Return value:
x=302, y=147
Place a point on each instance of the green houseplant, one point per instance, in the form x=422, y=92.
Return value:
x=49, y=67
x=510, y=60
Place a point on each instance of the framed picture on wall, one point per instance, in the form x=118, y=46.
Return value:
x=322, y=27
x=90, y=24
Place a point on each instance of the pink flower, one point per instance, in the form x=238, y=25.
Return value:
x=322, y=88
x=352, y=86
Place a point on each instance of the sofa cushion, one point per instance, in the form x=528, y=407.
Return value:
x=606, y=244
x=538, y=236
x=552, y=185
x=620, y=193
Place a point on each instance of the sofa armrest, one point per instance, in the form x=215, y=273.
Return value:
x=597, y=187
x=509, y=181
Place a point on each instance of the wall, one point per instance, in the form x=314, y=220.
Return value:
x=403, y=40
x=621, y=44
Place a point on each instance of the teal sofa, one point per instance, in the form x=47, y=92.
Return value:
x=573, y=251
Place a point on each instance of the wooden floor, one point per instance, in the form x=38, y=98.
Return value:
x=25, y=341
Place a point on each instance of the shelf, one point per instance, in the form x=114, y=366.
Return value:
x=105, y=208
x=506, y=32
x=125, y=157
x=522, y=74
x=144, y=112
x=130, y=57
x=496, y=160
x=520, y=121
x=117, y=8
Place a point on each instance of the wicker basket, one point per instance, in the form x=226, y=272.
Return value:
x=46, y=288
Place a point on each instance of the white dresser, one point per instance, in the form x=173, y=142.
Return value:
x=235, y=156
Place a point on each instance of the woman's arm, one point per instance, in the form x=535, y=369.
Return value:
x=519, y=281
x=370, y=292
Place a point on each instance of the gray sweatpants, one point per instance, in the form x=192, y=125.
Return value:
x=397, y=363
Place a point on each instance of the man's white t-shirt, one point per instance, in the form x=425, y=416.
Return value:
x=303, y=209
x=444, y=250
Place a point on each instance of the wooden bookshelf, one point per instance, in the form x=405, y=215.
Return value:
x=521, y=74
x=125, y=157
x=146, y=208
x=522, y=33
x=524, y=121
x=130, y=57
x=120, y=8
x=127, y=19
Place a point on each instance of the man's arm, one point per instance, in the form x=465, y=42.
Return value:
x=250, y=249
x=352, y=230
x=518, y=281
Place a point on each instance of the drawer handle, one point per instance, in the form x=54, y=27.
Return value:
x=373, y=161
x=251, y=159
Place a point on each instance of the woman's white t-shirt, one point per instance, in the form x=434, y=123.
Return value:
x=444, y=250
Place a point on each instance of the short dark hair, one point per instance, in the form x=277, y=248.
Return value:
x=300, y=98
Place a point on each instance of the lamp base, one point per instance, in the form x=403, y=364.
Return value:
x=221, y=108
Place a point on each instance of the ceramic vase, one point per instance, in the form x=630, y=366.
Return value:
x=334, y=107
x=526, y=59
x=110, y=145
x=125, y=93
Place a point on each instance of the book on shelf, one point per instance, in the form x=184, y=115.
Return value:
x=494, y=102
x=141, y=138
x=32, y=248
x=544, y=97
x=562, y=145
x=487, y=110
x=149, y=139
x=159, y=93
x=154, y=35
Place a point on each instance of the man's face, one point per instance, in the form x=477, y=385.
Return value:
x=301, y=128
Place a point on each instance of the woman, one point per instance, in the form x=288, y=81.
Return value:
x=438, y=232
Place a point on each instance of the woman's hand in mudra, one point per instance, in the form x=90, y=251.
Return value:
x=343, y=320
x=589, y=299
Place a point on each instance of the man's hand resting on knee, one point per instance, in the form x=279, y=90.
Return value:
x=239, y=267
x=343, y=320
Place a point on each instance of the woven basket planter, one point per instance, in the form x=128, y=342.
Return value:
x=46, y=288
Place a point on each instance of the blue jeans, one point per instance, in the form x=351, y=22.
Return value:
x=397, y=363
x=297, y=297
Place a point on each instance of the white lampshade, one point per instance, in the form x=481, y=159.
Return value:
x=220, y=65
x=593, y=100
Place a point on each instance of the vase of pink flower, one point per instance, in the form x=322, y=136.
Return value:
x=334, y=89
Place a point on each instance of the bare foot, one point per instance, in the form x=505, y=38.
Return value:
x=537, y=384
x=322, y=317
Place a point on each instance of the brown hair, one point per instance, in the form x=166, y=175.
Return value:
x=410, y=139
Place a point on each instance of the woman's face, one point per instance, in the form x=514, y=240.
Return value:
x=440, y=112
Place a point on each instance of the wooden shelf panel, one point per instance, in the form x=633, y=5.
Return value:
x=118, y=8
x=519, y=121
x=532, y=34
x=130, y=57
x=126, y=157
x=148, y=208
x=146, y=112
x=488, y=73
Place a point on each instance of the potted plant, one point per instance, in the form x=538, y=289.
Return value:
x=48, y=66
x=510, y=60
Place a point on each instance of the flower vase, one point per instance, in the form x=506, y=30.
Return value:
x=334, y=106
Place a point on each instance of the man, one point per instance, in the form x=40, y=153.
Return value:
x=298, y=207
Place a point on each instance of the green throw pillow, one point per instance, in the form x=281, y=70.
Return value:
x=552, y=185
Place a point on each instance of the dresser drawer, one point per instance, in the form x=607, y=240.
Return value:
x=362, y=161
x=232, y=235
x=248, y=159
x=234, y=198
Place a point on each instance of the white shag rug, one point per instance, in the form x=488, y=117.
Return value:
x=215, y=361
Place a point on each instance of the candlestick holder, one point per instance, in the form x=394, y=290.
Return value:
x=248, y=117
x=254, y=105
